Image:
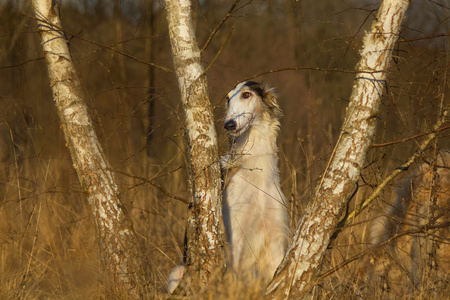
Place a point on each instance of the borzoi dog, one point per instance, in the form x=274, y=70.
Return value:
x=412, y=210
x=254, y=208
x=254, y=211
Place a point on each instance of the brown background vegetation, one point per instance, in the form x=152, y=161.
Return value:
x=47, y=237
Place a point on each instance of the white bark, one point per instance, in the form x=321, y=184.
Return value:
x=119, y=248
x=296, y=274
x=204, y=234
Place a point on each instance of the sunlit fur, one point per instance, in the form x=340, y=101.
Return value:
x=405, y=258
x=175, y=276
x=254, y=211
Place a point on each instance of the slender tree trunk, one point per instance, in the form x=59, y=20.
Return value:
x=150, y=81
x=297, y=273
x=119, y=249
x=119, y=35
x=205, y=254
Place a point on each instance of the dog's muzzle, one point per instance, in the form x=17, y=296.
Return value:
x=230, y=125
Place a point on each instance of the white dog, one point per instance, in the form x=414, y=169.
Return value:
x=254, y=209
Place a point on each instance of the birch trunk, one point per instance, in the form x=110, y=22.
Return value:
x=119, y=249
x=205, y=239
x=297, y=273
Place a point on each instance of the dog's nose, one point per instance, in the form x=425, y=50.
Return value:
x=230, y=125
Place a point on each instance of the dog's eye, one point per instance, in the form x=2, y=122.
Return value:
x=246, y=95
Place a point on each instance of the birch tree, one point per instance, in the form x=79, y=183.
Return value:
x=205, y=239
x=296, y=275
x=120, y=253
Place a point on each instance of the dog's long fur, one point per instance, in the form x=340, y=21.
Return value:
x=254, y=212
x=410, y=211
x=254, y=209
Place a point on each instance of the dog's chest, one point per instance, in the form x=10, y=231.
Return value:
x=251, y=189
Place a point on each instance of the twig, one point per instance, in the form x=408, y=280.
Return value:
x=400, y=169
x=421, y=229
x=294, y=69
x=424, y=38
x=410, y=138
x=112, y=48
x=230, y=11
x=219, y=52
x=307, y=69
x=22, y=63
x=156, y=185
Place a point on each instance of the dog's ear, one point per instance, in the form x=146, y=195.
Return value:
x=271, y=100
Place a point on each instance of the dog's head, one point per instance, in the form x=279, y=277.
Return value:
x=247, y=102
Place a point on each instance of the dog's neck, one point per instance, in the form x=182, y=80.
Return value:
x=256, y=149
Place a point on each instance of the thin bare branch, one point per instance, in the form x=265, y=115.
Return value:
x=156, y=185
x=400, y=169
x=112, y=48
x=422, y=229
x=230, y=11
x=430, y=37
x=411, y=137
x=219, y=52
